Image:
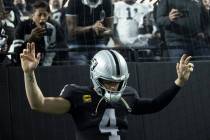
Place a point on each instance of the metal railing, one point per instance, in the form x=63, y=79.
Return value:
x=131, y=54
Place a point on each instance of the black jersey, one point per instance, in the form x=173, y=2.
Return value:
x=101, y=120
x=87, y=16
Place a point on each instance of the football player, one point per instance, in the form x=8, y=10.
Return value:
x=100, y=112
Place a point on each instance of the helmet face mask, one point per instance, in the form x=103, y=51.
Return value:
x=109, y=74
x=111, y=86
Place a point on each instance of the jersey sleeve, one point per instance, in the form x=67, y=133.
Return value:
x=67, y=93
x=152, y=105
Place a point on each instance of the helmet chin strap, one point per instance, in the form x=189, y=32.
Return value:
x=126, y=104
x=111, y=98
x=96, y=110
x=108, y=96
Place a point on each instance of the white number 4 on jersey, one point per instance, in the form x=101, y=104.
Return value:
x=108, y=124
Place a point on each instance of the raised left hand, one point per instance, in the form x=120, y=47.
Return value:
x=183, y=69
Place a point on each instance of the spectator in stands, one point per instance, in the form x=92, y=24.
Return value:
x=149, y=27
x=10, y=20
x=89, y=23
x=58, y=18
x=131, y=22
x=206, y=4
x=57, y=13
x=181, y=20
x=3, y=36
x=20, y=6
x=38, y=30
x=3, y=44
x=206, y=20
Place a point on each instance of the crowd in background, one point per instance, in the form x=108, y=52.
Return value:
x=68, y=31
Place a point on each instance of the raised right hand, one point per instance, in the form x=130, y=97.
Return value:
x=29, y=61
x=184, y=69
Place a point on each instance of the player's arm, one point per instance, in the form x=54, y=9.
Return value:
x=144, y=106
x=55, y=105
x=152, y=105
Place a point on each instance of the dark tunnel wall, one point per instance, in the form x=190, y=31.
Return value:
x=187, y=117
x=5, y=108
